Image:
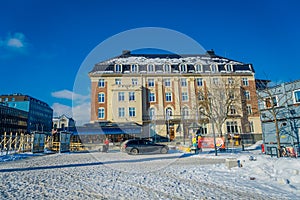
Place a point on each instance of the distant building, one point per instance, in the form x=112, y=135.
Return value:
x=63, y=123
x=39, y=113
x=283, y=101
x=164, y=92
x=12, y=120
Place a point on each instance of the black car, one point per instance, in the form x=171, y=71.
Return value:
x=143, y=146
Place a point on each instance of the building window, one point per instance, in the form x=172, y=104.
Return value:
x=198, y=68
x=199, y=82
x=167, y=68
x=13, y=99
x=152, y=113
x=271, y=102
x=121, y=112
x=245, y=82
x=167, y=82
x=185, y=113
x=230, y=81
x=131, y=96
x=213, y=68
x=150, y=82
x=101, y=83
x=169, y=113
x=232, y=127
x=121, y=96
x=152, y=97
x=184, y=96
x=200, y=96
x=249, y=109
x=118, y=68
x=228, y=68
x=101, y=113
x=297, y=96
x=134, y=81
x=118, y=81
x=232, y=110
x=183, y=68
x=183, y=82
x=216, y=81
x=134, y=68
x=231, y=95
x=202, y=129
x=251, y=126
x=168, y=96
x=131, y=111
x=247, y=95
x=151, y=68
x=101, y=97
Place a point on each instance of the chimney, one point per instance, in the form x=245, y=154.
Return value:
x=211, y=52
x=126, y=52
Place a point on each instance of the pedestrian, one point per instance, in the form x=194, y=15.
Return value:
x=106, y=145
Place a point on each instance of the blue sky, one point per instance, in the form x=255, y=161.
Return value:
x=43, y=43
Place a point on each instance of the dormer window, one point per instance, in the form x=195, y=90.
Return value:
x=151, y=68
x=228, y=68
x=134, y=68
x=118, y=68
x=198, y=68
x=167, y=68
x=213, y=68
x=183, y=68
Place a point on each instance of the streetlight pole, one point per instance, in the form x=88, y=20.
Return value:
x=213, y=127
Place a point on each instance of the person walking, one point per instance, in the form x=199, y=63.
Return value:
x=106, y=145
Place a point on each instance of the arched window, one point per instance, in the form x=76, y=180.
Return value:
x=213, y=68
x=228, y=68
x=183, y=68
x=152, y=113
x=198, y=68
x=185, y=112
x=118, y=68
x=151, y=68
x=134, y=68
x=169, y=113
x=167, y=68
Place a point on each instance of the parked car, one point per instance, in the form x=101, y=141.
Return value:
x=143, y=146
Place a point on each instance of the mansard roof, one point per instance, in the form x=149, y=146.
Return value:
x=126, y=59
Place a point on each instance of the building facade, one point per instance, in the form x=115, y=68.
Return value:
x=12, y=120
x=39, y=113
x=280, y=103
x=63, y=123
x=175, y=95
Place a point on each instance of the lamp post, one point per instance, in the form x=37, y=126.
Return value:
x=213, y=126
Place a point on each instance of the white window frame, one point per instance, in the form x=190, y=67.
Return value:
x=184, y=96
x=131, y=112
x=121, y=112
x=185, y=113
x=183, y=82
x=134, y=81
x=121, y=96
x=152, y=113
x=167, y=82
x=134, y=68
x=198, y=68
x=101, y=97
x=102, y=110
x=101, y=83
x=151, y=82
x=249, y=109
x=118, y=68
x=183, y=68
x=131, y=96
x=169, y=97
x=213, y=68
x=247, y=95
x=199, y=82
x=118, y=81
x=245, y=81
x=228, y=68
x=167, y=68
x=152, y=97
x=151, y=68
x=294, y=96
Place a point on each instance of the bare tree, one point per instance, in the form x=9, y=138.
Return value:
x=273, y=100
x=220, y=100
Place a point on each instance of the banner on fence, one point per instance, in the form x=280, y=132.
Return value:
x=38, y=143
x=65, y=139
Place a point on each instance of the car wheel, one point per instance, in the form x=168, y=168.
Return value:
x=134, y=151
x=164, y=150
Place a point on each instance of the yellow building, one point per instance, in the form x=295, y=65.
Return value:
x=176, y=95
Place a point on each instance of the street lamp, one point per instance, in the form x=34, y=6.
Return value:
x=213, y=126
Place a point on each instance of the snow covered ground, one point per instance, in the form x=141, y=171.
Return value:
x=116, y=175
